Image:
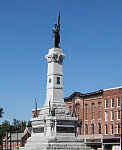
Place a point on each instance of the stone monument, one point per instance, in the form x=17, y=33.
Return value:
x=54, y=128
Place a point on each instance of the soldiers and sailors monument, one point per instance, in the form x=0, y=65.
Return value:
x=54, y=128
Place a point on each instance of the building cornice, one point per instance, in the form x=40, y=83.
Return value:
x=84, y=96
x=113, y=88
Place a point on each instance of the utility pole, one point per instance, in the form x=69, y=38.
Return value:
x=17, y=136
x=10, y=137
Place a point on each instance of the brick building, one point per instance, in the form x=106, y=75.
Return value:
x=99, y=116
x=113, y=117
x=36, y=113
x=15, y=140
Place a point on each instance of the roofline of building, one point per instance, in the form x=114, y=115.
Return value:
x=113, y=88
x=91, y=93
x=83, y=95
x=74, y=93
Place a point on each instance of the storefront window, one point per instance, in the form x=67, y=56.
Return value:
x=99, y=128
x=86, y=127
x=118, y=128
x=106, y=129
x=112, y=129
x=92, y=128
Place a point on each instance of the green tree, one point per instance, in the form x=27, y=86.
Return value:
x=4, y=128
x=29, y=124
x=23, y=125
x=1, y=112
x=18, y=125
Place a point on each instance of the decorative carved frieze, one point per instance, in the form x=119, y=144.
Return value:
x=54, y=57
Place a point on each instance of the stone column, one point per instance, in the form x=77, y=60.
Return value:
x=54, y=77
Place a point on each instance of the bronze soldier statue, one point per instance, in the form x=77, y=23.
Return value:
x=56, y=30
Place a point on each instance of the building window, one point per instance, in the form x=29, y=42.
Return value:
x=86, y=127
x=106, y=116
x=106, y=103
x=118, y=129
x=118, y=114
x=112, y=129
x=112, y=102
x=118, y=102
x=92, y=128
x=80, y=130
x=112, y=115
x=106, y=129
x=77, y=110
x=99, y=111
x=92, y=110
x=86, y=112
x=99, y=128
x=58, y=80
x=70, y=110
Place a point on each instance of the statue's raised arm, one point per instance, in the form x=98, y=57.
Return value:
x=56, y=30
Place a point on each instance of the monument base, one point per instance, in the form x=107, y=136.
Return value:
x=61, y=143
x=54, y=132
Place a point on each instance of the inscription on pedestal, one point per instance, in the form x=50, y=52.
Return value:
x=64, y=123
x=38, y=130
x=65, y=129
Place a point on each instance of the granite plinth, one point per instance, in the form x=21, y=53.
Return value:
x=54, y=132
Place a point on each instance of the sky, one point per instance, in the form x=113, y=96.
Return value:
x=91, y=39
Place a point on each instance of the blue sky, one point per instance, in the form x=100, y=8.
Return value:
x=91, y=39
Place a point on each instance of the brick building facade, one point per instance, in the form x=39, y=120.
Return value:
x=99, y=116
x=16, y=140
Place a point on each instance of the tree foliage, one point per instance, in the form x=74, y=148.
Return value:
x=16, y=126
x=1, y=112
x=5, y=127
x=29, y=124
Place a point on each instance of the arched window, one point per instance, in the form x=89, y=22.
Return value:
x=86, y=111
x=99, y=110
x=77, y=106
x=92, y=110
x=70, y=110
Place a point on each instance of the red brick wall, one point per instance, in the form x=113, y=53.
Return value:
x=109, y=94
x=95, y=120
x=38, y=111
x=82, y=101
